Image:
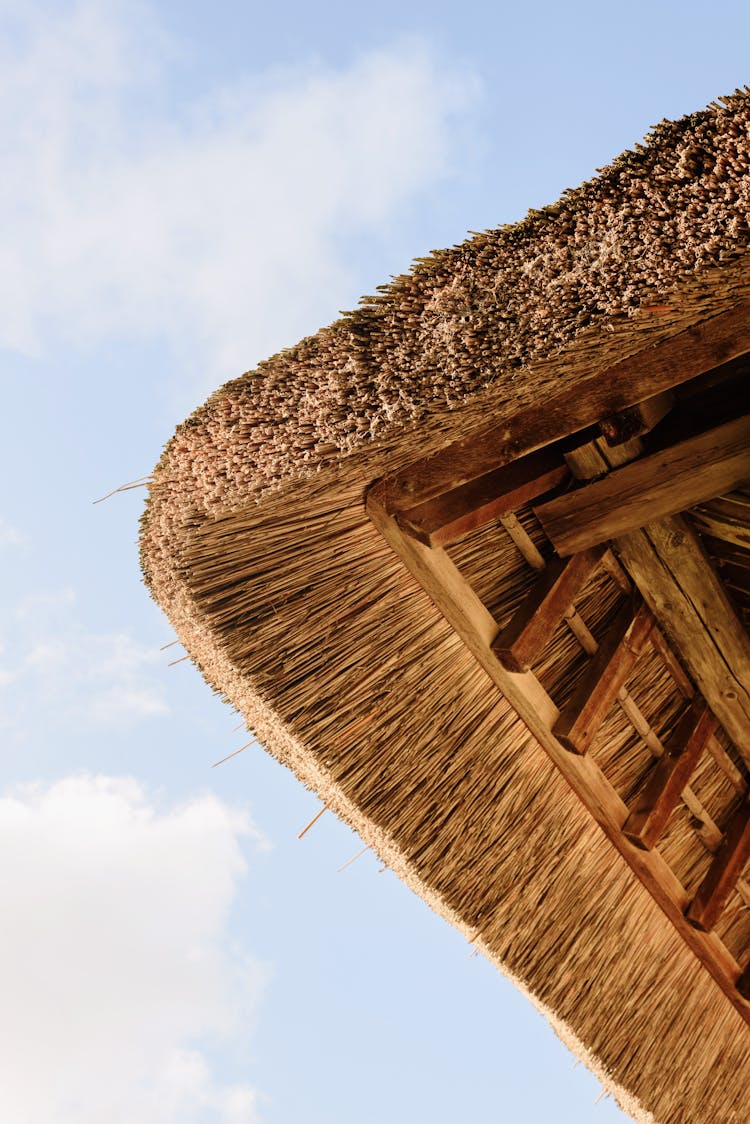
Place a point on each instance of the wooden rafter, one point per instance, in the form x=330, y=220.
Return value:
x=726, y=518
x=637, y=419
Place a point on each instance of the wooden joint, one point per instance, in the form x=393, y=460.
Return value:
x=681, y=476
x=636, y=420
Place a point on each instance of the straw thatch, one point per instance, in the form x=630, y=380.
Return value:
x=256, y=543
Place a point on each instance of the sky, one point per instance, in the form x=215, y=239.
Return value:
x=187, y=188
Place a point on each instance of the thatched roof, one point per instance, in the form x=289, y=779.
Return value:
x=258, y=544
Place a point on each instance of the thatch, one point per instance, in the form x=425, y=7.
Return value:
x=256, y=543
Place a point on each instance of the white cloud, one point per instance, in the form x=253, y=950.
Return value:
x=51, y=662
x=10, y=536
x=116, y=970
x=215, y=228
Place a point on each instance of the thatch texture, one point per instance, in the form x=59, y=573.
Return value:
x=256, y=543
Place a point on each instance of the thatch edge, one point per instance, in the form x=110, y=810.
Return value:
x=273, y=736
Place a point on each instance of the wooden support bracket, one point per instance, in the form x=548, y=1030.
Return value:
x=562, y=580
x=678, y=583
x=659, y=798
x=724, y=873
x=606, y=674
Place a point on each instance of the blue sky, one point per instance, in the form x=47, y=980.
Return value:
x=185, y=189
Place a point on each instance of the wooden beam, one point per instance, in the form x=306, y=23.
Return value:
x=535, y=621
x=657, y=368
x=449, y=517
x=678, y=583
x=712, y=519
x=606, y=674
x=659, y=798
x=724, y=873
x=651, y=488
x=636, y=420
x=471, y=620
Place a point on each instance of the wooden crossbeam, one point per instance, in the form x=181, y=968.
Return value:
x=661, y=794
x=724, y=873
x=606, y=674
x=681, y=476
x=448, y=518
x=651, y=371
x=471, y=620
x=535, y=621
x=678, y=583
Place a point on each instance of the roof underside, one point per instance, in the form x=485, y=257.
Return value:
x=257, y=543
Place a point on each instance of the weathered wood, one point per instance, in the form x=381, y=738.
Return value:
x=596, y=458
x=711, y=519
x=586, y=462
x=545, y=606
x=523, y=541
x=727, y=765
x=466, y=614
x=651, y=371
x=636, y=420
x=728, y=554
x=707, y=831
x=678, y=583
x=604, y=677
x=448, y=518
x=672, y=664
x=661, y=794
x=648, y=489
x=724, y=873
x=734, y=505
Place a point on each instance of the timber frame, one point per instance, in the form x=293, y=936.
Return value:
x=611, y=471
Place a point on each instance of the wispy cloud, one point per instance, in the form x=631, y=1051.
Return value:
x=116, y=969
x=52, y=664
x=10, y=535
x=218, y=228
